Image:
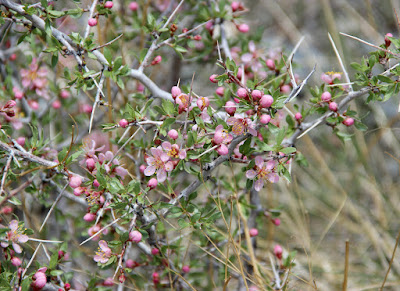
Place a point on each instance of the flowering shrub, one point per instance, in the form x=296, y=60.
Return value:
x=138, y=178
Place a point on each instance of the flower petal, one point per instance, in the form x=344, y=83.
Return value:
x=166, y=145
x=259, y=161
x=169, y=166
x=259, y=184
x=150, y=170
x=250, y=174
x=161, y=175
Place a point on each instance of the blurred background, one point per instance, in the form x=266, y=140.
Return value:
x=349, y=192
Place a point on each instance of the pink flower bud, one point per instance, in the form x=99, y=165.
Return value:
x=123, y=123
x=173, y=134
x=131, y=264
x=18, y=94
x=39, y=280
x=326, y=96
x=266, y=101
x=236, y=100
x=239, y=73
x=96, y=183
x=75, y=181
x=270, y=64
x=155, y=251
x=209, y=25
x=185, y=269
x=121, y=278
x=67, y=286
x=152, y=183
x=241, y=93
x=333, y=106
x=220, y=91
x=256, y=94
x=142, y=168
x=244, y=28
x=276, y=221
x=235, y=6
x=10, y=104
x=135, y=236
x=56, y=104
x=13, y=57
x=6, y=210
x=108, y=4
x=175, y=91
x=108, y=282
x=21, y=141
x=230, y=108
x=387, y=40
x=265, y=119
x=286, y=89
x=15, y=261
x=213, y=78
x=197, y=37
x=253, y=232
x=156, y=278
x=78, y=191
x=86, y=108
x=64, y=94
x=222, y=150
x=278, y=251
x=133, y=6
x=298, y=116
x=92, y=22
x=348, y=121
x=90, y=164
x=156, y=60
x=89, y=217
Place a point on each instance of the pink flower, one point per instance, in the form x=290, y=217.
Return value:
x=263, y=171
x=103, y=254
x=221, y=135
x=35, y=79
x=241, y=126
x=159, y=163
x=15, y=235
x=203, y=102
x=173, y=150
x=183, y=101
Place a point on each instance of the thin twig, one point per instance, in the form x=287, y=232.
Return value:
x=346, y=267
x=391, y=261
x=52, y=207
x=346, y=75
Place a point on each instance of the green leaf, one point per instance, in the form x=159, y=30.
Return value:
x=288, y=150
x=384, y=79
x=108, y=55
x=168, y=106
x=53, y=260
